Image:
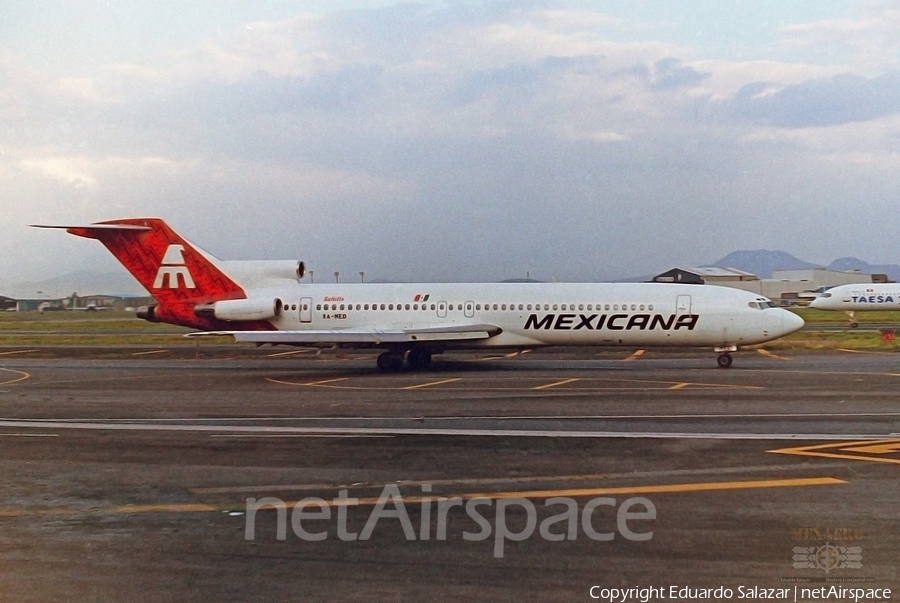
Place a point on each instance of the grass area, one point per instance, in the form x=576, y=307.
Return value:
x=827, y=317
x=832, y=340
x=109, y=339
x=110, y=327
x=66, y=316
x=105, y=327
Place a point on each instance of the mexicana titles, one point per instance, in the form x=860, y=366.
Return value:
x=612, y=322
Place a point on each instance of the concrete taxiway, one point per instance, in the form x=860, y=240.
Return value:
x=127, y=477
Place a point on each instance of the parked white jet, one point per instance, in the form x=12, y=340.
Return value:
x=859, y=297
x=267, y=302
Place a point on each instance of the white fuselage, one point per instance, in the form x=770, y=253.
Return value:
x=540, y=314
x=861, y=297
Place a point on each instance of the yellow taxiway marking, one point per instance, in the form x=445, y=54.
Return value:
x=150, y=352
x=497, y=384
x=311, y=383
x=303, y=351
x=308, y=384
x=863, y=448
x=549, y=385
x=368, y=501
x=23, y=376
x=864, y=352
x=17, y=352
x=469, y=481
x=876, y=448
x=769, y=354
x=637, y=354
x=421, y=385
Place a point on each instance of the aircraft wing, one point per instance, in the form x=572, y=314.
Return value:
x=360, y=336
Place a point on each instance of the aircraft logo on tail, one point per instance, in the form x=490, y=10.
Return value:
x=172, y=267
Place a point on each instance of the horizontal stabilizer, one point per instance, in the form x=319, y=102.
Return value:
x=96, y=227
x=356, y=336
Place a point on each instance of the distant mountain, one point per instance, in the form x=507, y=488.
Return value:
x=762, y=262
x=82, y=282
x=848, y=264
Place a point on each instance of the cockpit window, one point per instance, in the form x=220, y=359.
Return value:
x=762, y=304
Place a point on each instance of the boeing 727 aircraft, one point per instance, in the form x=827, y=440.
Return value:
x=859, y=297
x=267, y=302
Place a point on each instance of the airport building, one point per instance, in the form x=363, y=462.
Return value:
x=786, y=286
x=76, y=302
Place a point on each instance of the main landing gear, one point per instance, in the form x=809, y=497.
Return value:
x=853, y=322
x=417, y=359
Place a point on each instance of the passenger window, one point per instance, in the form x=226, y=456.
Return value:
x=555, y=307
x=642, y=307
x=546, y=307
x=407, y=306
x=589, y=307
x=650, y=307
x=529, y=306
x=521, y=307
x=615, y=307
x=607, y=307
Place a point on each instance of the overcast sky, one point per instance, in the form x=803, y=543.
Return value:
x=453, y=141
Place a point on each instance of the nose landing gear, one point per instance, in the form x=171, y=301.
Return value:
x=724, y=360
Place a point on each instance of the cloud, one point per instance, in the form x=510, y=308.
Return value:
x=838, y=100
x=467, y=141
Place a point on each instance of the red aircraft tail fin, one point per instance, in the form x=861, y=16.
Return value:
x=167, y=265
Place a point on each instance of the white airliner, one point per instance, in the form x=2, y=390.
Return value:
x=267, y=302
x=859, y=297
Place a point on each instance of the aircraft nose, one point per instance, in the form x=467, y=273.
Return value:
x=790, y=322
x=816, y=303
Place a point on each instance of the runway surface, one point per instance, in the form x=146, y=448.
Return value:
x=127, y=478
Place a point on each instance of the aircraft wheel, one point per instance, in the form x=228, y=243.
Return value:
x=388, y=361
x=418, y=359
x=724, y=360
x=854, y=324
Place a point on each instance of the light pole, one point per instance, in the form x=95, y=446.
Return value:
x=362, y=277
x=337, y=276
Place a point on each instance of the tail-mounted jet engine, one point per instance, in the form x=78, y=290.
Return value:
x=241, y=309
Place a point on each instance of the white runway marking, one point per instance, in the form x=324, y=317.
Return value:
x=98, y=426
x=188, y=420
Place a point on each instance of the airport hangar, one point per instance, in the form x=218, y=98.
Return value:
x=786, y=286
